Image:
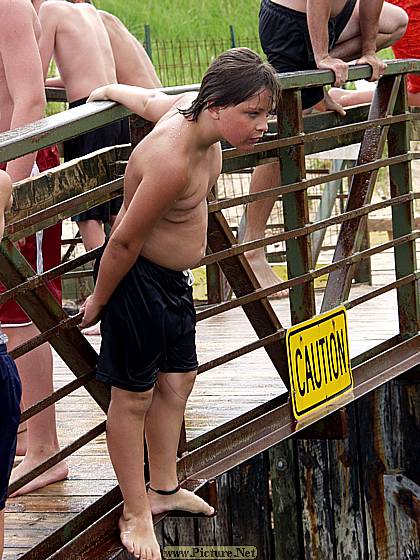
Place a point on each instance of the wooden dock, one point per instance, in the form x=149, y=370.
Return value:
x=219, y=395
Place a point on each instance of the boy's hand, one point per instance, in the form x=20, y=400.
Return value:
x=378, y=65
x=98, y=94
x=91, y=312
x=338, y=66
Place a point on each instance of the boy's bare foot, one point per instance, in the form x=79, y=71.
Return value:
x=54, y=474
x=138, y=536
x=95, y=330
x=264, y=273
x=182, y=500
x=22, y=441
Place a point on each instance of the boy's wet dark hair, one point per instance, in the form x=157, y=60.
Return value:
x=233, y=77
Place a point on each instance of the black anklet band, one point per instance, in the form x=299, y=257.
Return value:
x=166, y=492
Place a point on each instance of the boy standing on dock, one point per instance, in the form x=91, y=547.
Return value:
x=143, y=292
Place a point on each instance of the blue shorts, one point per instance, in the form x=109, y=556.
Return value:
x=10, y=394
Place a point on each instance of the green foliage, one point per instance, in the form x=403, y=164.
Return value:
x=186, y=19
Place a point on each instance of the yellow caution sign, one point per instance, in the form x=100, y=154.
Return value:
x=319, y=361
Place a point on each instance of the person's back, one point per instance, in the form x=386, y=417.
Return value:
x=75, y=35
x=132, y=63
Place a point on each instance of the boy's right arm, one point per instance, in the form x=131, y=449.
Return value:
x=151, y=104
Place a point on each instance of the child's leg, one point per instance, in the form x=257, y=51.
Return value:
x=163, y=427
x=125, y=437
x=257, y=214
x=36, y=373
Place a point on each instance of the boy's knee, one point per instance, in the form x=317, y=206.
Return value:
x=179, y=384
x=133, y=403
x=400, y=24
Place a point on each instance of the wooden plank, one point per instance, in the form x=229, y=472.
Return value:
x=287, y=511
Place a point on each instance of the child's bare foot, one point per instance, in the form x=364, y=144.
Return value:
x=138, y=536
x=182, y=500
x=54, y=474
x=263, y=271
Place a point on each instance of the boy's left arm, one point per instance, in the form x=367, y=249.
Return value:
x=146, y=208
x=151, y=104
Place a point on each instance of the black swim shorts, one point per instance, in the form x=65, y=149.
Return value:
x=285, y=39
x=148, y=326
x=10, y=393
x=112, y=134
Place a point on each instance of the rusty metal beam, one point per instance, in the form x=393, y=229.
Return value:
x=360, y=192
x=243, y=281
x=45, y=312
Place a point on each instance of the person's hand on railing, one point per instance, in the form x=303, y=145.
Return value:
x=91, y=312
x=378, y=66
x=338, y=66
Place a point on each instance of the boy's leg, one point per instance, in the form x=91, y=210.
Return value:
x=36, y=373
x=125, y=438
x=163, y=427
x=257, y=214
x=392, y=25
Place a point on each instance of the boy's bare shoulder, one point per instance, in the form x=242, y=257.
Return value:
x=52, y=8
x=173, y=103
x=162, y=156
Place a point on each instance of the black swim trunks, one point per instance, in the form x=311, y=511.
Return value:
x=285, y=39
x=112, y=134
x=10, y=393
x=147, y=327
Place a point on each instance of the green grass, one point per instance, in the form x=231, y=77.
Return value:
x=186, y=19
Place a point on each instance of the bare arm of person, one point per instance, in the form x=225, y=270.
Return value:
x=47, y=42
x=150, y=104
x=5, y=198
x=317, y=14
x=147, y=207
x=23, y=71
x=369, y=13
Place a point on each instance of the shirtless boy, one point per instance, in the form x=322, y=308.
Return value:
x=22, y=100
x=305, y=35
x=143, y=293
x=10, y=388
x=132, y=63
x=75, y=35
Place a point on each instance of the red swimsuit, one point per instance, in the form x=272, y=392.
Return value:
x=409, y=45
